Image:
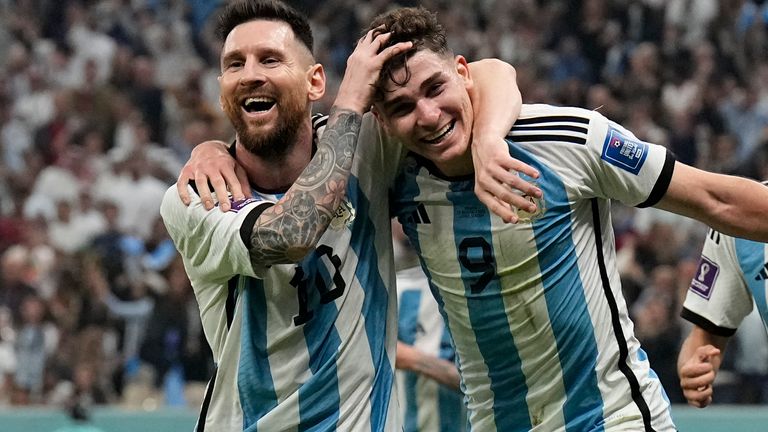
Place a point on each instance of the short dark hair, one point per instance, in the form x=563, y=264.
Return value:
x=242, y=11
x=414, y=24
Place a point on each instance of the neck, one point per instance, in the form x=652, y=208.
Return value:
x=458, y=166
x=278, y=175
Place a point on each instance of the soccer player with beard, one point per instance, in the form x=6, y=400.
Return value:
x=300, y=320
x=295, y=284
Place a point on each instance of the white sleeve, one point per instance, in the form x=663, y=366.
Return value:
x=625, y=168
x=718, y=298
x=210, y=241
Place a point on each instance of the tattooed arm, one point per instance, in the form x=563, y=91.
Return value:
x=289, y=230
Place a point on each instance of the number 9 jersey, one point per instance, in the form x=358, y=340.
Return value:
x=542, y=335
x=306, y=346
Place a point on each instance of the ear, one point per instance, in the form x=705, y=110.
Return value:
x=221, y=98
x=380, y=119
x=376, y=113
x=316, y=81
x=462, y=68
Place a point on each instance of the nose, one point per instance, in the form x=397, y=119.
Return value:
x=428, y=113
x=252, y=74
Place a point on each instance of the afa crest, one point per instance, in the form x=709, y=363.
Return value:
x=524, y=216
x=345, y=215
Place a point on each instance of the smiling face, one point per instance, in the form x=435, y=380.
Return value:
x=431, y=113
x=268, y=81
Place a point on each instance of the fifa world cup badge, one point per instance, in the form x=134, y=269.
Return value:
x=344, y=216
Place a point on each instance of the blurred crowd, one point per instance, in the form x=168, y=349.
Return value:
x=101, y=102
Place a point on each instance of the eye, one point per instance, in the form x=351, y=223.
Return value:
x=400, y=110
x=233, y=64
x=435, y=89
x=270, y=61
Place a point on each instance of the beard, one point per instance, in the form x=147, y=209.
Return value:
x=276, y=144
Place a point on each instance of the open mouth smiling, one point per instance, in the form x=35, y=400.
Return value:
x=260, y=104
x=440, y=135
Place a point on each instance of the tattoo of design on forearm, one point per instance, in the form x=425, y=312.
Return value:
x=287, y=231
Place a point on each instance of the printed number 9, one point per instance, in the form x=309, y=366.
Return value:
x=485, y=265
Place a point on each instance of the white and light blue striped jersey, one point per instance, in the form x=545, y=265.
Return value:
x=309, y=346
x=427, y=405
x=732, y=273
x=541, y=330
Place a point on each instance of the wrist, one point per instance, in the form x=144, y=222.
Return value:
x=350, y=100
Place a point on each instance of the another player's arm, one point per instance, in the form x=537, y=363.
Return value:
x=412, y=359
x=732, y=205
x=496, y=102
x=698, y=363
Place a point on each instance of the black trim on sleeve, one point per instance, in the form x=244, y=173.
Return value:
x=206, y=402
x=662, y=183
x=231, y=299
x=618, y=331
x=706, y=324
x=250, y=220
x=232, y=149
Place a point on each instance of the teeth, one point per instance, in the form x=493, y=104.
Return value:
x=257, y=99
x=439, y=134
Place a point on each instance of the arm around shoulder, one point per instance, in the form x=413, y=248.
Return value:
x=496, y=103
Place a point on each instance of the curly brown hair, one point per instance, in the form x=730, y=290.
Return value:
x=414, y=24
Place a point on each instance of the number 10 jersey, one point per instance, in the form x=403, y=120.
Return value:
x=305, y=346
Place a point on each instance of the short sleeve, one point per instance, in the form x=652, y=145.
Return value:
x=624, y=167
x=718, y=298
x=210, y=241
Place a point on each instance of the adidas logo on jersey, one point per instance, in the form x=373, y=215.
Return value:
x=763, y=275
x=419, y=216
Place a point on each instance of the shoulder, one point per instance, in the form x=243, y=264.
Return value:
x=543, y=112
x=549, y=123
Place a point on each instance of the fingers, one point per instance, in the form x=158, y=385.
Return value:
x=509, y=188
x=699, y=399
x=201, y=181
x=182, y=184
x=698, y=382
x=524, y=168
x=376, y=39
x=497, y=207
x=706, y=352
x=697, y=377
x=220, y=189
x=242, y=187
x=393, y=50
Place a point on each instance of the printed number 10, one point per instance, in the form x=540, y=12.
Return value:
x=302, y=283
